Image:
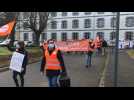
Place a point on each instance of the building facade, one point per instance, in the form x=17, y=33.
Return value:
x=64, y=26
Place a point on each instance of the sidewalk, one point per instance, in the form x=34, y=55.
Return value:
x=125, y=71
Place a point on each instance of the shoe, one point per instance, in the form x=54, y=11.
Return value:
x=86, y=66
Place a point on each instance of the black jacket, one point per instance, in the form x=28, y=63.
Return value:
x=25, y=61
x=51, y=72
x=104, y=44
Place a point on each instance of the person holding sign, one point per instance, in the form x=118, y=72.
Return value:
x=19, y=62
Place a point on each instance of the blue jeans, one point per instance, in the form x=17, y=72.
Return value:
x=88, y=60
x=52, y=81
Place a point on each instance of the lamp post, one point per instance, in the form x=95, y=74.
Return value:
x=116, y=50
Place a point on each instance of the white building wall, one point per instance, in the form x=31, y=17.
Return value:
x=81, y=30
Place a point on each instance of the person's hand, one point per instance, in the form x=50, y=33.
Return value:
x=22, y=69
x=64, y=74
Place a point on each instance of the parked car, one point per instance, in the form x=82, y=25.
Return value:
x=5, y=42
x=28, y=43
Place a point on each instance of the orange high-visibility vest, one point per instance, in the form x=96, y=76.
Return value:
x=52, y=62
x=98, y=43
x=91, y=49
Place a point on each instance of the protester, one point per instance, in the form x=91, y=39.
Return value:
x=52, y=64
x=89, y=53
x=104, y=45
x=98, y=45
x=20, y=48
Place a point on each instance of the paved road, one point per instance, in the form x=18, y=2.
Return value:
x=125, y=71
x=80, y=76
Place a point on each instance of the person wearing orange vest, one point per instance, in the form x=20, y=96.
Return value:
x=53, y=64
x=98, y=44
x=89, y=53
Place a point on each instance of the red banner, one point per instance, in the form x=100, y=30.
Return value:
x=81, y=45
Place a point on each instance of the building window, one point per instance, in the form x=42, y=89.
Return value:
x=100, y=12
x=112, y=36
x=25, y=25
x=64, y=13
x=53, y=14
x=100, y=34
x=130, y=22
x=44, y=36
x=33, y=37
x=113, y=22
x=75, y=13
x=75, y=36
x=26, y=36
x=129, y=36
x=64, y=24
x=113, y=12
x=26, y=15
x=75, y=24
x=87, y=13
x=100, y=22
x=54, y=36
x=87, y=35
x=54, y=25
x=87, y=23
x=64, y=36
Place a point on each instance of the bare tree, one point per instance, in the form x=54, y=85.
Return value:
x=37, y=22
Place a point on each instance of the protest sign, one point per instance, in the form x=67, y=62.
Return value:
x=80, y=45
x=16, y=61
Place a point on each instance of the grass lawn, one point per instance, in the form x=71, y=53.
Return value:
x=131, y=53
x=33, y=49
x=5, y=51
x=34, y=52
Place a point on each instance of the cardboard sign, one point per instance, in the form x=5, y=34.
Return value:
x=17, y=61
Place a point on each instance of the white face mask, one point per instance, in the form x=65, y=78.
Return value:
x=51, y=45
x=17, y=46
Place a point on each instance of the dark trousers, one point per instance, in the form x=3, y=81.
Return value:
x=88, y=60
x=21, y=75
x=99, y=51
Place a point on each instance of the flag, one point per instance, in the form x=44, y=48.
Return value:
x=6, y=29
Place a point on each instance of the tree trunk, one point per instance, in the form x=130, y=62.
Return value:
x=37, y=37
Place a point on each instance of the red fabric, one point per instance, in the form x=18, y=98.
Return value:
x=81, y=45
x=6, y=29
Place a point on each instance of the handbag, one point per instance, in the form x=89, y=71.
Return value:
x=64, y=81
